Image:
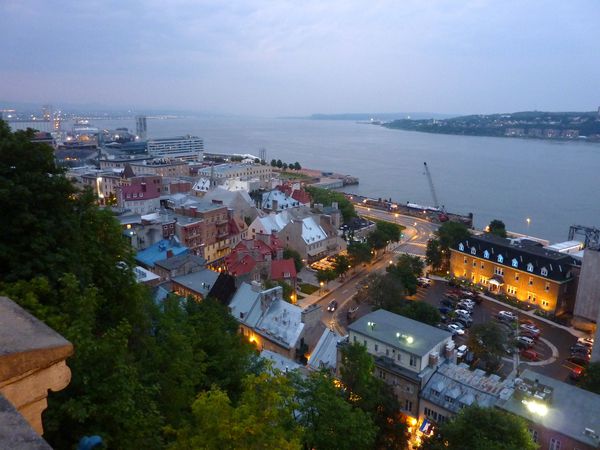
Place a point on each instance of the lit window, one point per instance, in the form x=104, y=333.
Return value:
x=486, y=254
x=500, y=259
x=461, y=247
x=515, y=263
x=544, y=272
x=473, y=251
x=529, y=267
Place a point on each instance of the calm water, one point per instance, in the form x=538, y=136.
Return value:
x=553, y=183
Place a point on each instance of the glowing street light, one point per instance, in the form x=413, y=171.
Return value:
x=536, y=407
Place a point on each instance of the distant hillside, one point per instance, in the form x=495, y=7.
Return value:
x=526, y=124
x=383, y=117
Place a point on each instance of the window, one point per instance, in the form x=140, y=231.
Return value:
x=376, y=347
x=547, y=287
x=365, y=342
x=461, y=247
x=511, y=290
x=387, y=352
x=483, y=280
x=399, y=358
x=413, y=360
x=381, y=374
x=474, y=263
x=514, y=262
x=531, y=297
x=449, y=399
x=486, y=254
x=408, y=388
x=545, y=303
x=408, y=405
x=500, y=259
x=498, y=270
x=482, y=265
x=534, y=435
x=354, y=338
x=473, y=251
x=554, y=444
x=465, y=260
x=530, y=282
x=544, y=272
x=529, y=267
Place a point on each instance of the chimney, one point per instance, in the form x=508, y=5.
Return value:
x=434, y=359
x=274, y=205
x=169, y=253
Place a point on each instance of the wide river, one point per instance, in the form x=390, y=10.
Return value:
x=554, y=184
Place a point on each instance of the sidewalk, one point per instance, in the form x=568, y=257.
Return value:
x=570, y=330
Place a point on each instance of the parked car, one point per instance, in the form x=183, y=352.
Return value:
x=529, y=354
x=466, y=323
x=580, y=348
x=576, y=373
x=332, y=306
x=464, y=306
x=530, y=328
x=455, y=329
x=468, y=301
x=423, y=282
x=588, y=342
x=583, y=362
x=444, y=309
x=525, y=340
x=529, y=334
x=461, y=351
x=507, y=315
x=582, y=355
x=447, y=302
x=462, y=313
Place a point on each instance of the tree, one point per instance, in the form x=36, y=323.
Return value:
x=377, y=239
x=341, y=264
x=279, y=163
x=449, y=235
x=383, y=292
x=288, y=291
x=433, y=254
x=359, y=252
x=284, y=166
x=297, y=166
x=273, y=163
x=326, y=275
x=497, y=227
x=488, y=342
x=328, y=419
x=263, y=418
x=291, y=253
x=407, y=269
x=422, y=312
x=591, y=378
x=372, y=395
x=480, y=428
x=326, y=197
x=391, y=231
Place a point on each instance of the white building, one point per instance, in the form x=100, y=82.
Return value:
x=188, y=148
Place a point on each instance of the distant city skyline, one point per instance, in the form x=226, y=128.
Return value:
x=283, y=58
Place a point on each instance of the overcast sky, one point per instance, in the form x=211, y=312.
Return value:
x=298, y=57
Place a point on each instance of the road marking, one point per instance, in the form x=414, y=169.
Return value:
x=344, y=291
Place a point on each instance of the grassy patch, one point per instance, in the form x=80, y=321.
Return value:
x=307, y=288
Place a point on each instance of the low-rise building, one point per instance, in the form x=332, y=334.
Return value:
x=163, y=249
x=196, y=284
x=188, y=148
x=178, y=266
x=559, y=415
x=520, y=268
x=453, y=387
x=406, y=352
x=164, y=167
x=219, y=174
x=138, y=198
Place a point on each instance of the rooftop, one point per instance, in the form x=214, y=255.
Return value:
x=394, y=330
x=324, y=354
x=454, y=386
x=200, y=282
x=572, y=411
x=176, y=262
x=158, y=251
x=279, y=362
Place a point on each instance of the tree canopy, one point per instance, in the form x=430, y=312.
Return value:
x=497, y=227
x=479, y=428
x=591, y=378
x=488, y=342
x=326, y=197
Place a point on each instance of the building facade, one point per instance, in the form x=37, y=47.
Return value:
x=188, y=148
x=519, y=268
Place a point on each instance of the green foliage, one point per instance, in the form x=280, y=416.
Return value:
x=372, y=395
x=433, y=254
x=359, y=252
x=341, y=264
x=449, y=235
x=326, y=275
x=479, y=428
x=326, y=197
x=488, y=342
x=291, y=253
x=422, y=312
x=591, y=378
x=407, y=269
x=279, y=163
x=383, y=292
x=377, y=239
x=497, y=227
x=287, y=289
x=273, y=163
x=328, y=419
x=307, y=288
x=391, y=231
x=263, y=417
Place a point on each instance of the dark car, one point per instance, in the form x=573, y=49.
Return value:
x=444, y=309
x=583, y=362
x=582, y=355
x=447, y=302
x=332, y=306
x=580, y=348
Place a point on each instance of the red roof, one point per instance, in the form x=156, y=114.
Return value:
x=283, y=268
x=138, y=192
x=301, y=195
x=241, y=267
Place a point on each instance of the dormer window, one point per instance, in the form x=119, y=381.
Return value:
x=544, y=272
x=486, y=254
x=500, y=259
x=473, y=250
x=461, y=247
x=515, y=263
x=529, y=267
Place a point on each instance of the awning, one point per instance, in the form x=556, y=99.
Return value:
x=497, y=280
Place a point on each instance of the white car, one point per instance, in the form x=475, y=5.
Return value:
x=531, y=328
x=461, y=351
x=588, y=342
x=468, y=301
x=507, y=315
x=526, y=340
x=455, y=329
x=424, y=282
x=462, y=312
x=465, y=306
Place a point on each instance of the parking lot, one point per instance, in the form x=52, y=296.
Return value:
x=551, y=349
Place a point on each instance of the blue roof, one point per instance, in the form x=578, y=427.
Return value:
x=158, y=252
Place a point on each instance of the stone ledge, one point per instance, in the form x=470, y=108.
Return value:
x=15, y=432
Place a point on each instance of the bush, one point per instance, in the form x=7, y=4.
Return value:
x=308, y=289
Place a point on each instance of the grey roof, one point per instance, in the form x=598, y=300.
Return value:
x=177, y=261
x=280, y=362
x=387, y=324
x=570, y=412
x=325, y=353
x=201, y=282
x=454, y=386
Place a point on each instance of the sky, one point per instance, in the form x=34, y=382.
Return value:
x=274, y=58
